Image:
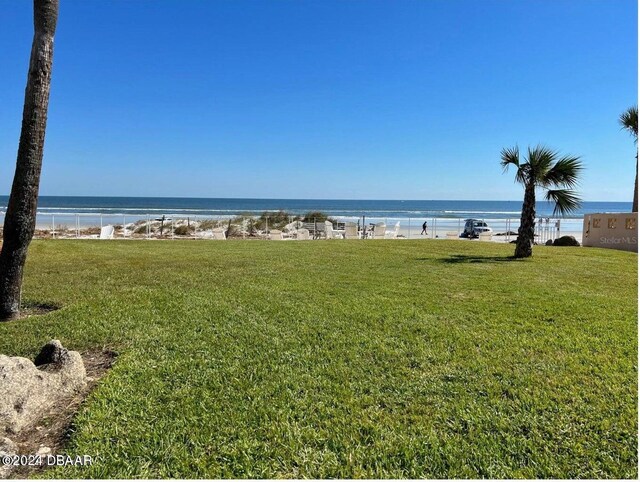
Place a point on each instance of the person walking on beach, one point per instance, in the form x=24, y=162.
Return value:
x=424, y=229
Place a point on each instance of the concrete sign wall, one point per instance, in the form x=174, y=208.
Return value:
x=611, y=230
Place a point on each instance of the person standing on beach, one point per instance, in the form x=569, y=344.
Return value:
x=424, y=229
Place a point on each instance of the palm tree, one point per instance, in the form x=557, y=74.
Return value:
x=544, y=169
x=20, y=219
x=629, y=122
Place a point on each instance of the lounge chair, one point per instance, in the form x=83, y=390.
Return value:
x=393, y=234
x=329, y=232
x=291, y=227
x=379, y=231
x=107, y=232
x=219, y=233
x=350, y=231
x=302, y=234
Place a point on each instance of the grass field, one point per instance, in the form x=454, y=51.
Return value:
x=344, y=358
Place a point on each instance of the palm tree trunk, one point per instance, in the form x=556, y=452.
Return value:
x=20, y=219
x=524, y=245
x=634, y=209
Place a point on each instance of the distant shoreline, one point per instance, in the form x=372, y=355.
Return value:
x=220, y=207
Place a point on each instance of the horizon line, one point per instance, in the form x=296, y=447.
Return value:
x=302, y=199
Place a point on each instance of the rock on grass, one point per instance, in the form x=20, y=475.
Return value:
x=29, y=390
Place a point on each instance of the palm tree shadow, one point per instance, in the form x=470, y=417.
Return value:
x=464, y=258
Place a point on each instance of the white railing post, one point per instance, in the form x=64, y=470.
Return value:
x=53, y=226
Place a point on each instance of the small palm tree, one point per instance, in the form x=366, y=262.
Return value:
x=629, y=122
x=543, y=168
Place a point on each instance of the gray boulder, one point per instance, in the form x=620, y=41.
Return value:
x=7, y=449
x=29, y=390
x=549, y=243
x=566, y=241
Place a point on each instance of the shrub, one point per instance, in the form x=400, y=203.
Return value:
x=275, y=219
x=317, y=216
x=566, y=241
x=209, y=224
x=141, y=229
x=183, y=230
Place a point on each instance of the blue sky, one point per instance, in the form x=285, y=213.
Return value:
x=371, y=99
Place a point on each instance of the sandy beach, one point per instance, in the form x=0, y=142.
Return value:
x=194, y=227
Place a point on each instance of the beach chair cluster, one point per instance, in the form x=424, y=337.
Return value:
x=347, y=230
x=299, y=231
x=303, y=231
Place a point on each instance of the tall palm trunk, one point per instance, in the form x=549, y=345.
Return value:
x=20, y=219
x=524, y=245
x=634, y=209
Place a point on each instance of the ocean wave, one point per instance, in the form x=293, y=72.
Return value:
x=481, y=212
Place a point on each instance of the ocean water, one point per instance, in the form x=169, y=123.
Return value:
x=443, y=217
x=156, y=206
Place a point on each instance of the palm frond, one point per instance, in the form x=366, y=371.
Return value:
x=566, y=201
x=629, y=121
x=510, y=156
x=564, y=173
x=541, y=158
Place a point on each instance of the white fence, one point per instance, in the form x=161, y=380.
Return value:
x=181, y=226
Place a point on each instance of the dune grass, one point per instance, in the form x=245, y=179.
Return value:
x=344, y=358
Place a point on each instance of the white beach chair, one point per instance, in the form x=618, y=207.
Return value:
x=275, y=235
x=107, y=232
x=484, y=237
x=329, y=232
x=393, y=234
x=452, y=235
x=302, y=234
x=219, y=233
x=291, y=227
x=379, y=231
x=350, y=231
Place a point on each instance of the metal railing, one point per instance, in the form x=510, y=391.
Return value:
x=54, y=225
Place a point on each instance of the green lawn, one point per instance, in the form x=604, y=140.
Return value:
x=344, y=358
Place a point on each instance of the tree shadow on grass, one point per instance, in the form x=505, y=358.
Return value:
x=464, y=258
x=31, y=308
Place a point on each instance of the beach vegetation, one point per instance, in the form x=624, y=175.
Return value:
x=141, y=228
x=207, y=224
x=542, y=168
x=316, y=216
x=629, y=122
x=20, y=217
x=324, y=359
x=275, y=219
x=184, y=230
x=242, y=217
